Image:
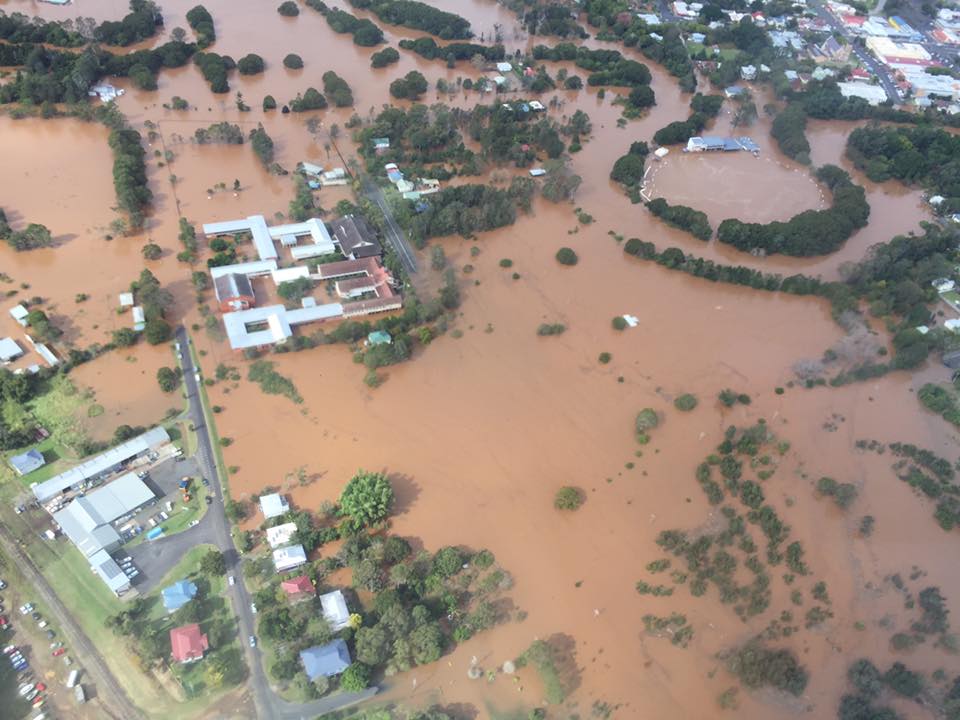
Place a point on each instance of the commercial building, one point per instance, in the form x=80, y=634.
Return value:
x=106, y=569
x=288, y=558
x=718, y=144
x=188, y=644
x=101, y=465
x=326, y=660
x=87, y=520
x=890, y=52
x=273, y=505
x=335, y=610
x=27, y=462
x=873, y=94
x=263, y=236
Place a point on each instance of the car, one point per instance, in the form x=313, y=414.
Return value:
x=37, y=701
x=3, y=621
x=58, y=652
x=26, y=609
x=25, y=688
x=208, y=499
x=22, y=665
x=35, y=615
x=2, y=584
x=205, y=481
x=133, y=574
x=231, y=581
x=31, y=695
x=253, y=608
x=253, y=641
x=41, y=687
x=9, y=649
x=55, y=645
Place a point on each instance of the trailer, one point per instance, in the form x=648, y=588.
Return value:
x=72, y=679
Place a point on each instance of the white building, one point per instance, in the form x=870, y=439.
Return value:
x=9, y=350
x=873, y=94
x=288, y=558
x=281, y=534
x=273, y=505
x=335, y=610
x=19, y=313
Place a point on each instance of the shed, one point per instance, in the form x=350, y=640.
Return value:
x=139, y=322
x=311, y=169
x=19, y=313
x=379, y=337
x=27, y=462
x=126, y=299
x=326, y=660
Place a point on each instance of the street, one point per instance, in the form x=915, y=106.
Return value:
x=394, y=235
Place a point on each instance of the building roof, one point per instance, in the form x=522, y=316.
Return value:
x=281, y=534
x=177, y=595
x=232, y=286
x=873, y=94
x=335, y=610
x=86, y=520
x=254, y=267
x=19, y=313
x=273, y=505
x=287, y=558
x=379, y=337
x=126, y=299
x=108, y=570
x=355, y=237
x=123, y=495
x=9, y=349
x=188, y=643
x=327, y=660
x=27, y=462
x=101, y=463
x=297, y=586
x=255, y=225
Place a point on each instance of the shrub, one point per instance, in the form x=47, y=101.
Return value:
x=506, y=262
x=269, y=103
x=168, y=379
x=384, y=57
x=604, y=358
x=289, y=9
x=355, y=678
x=568, y=498
x=647, y=419
x=551, y=329
x=566, y=256
x=250, y=64
x=292, y=61
x=411, y=86
x=685, y=402
x=152, y=251
x=619, y=323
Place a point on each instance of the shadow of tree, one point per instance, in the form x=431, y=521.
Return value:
x=405, y=492
x=565, y=659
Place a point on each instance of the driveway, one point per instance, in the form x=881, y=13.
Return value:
x=155, y=558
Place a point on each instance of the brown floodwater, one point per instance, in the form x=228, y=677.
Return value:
x=480, y=431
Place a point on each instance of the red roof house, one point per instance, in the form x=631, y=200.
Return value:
x=298, y=587
x=188, y=643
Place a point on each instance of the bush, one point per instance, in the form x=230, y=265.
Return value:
x=168, y=379
x=384, y=57
x=619, y=323
x=566, y=256
x=568, y=498
x=411, y=86
x=685, y=402
x=604, y=358
x=551, y=329
x=250, y=64
x=355, y=678
x=292, y=61
x=152, y=251
x=269, y=103
x=289, y=9
x=647, y=419
x=506, y=262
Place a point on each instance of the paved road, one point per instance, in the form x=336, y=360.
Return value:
x=155, y=558
x=392, y=231
x=269, y=705
x=114, y=700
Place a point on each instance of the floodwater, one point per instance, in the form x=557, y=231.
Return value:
x=480, y=431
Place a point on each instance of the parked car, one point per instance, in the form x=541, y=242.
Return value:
x=25, y=688
x=231, y=581
x=58, y=652
x=253, y=641
x=2, y=584
x=26, y=609
x=41, y=687
x=253, y=608
x=31, y=695
x=9, y=649
x=42, y=624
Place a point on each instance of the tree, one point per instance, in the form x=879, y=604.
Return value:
x=269, y=103
x=372, y=645
x=384, y=57
x=213, y=563
x=560, y=183
x=157, y=331
x=426, y=642
x=124, y=337
x=288, y=9
x=411, y=86
x=355, y=678
x=366, y=500
x=250, y=64
x=262, y=145
x=567, y=498
x=685, y=402
x=337, y=89
x=293, y=62
x=566, y=256
x=168, y=379
x=152, y=251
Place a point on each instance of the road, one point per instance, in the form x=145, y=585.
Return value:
x=269, y=705
x=114, y=699
x=392, y=231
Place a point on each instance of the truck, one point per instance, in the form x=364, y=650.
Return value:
x=72, y=679
x=79, y=694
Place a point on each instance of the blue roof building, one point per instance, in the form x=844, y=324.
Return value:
x=178, y=595
x=27, y=462
x=327, y=660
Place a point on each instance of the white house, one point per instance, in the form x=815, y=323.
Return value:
x=288, y=558
x=281, y=534
x=335, y=610
x=273, y=505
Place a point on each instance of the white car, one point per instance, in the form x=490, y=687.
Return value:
x=26, y=609
x=253, y=608
x=25, y=688
x=231, y=581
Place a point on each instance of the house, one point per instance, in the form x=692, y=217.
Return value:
x=177, y=595
x=830, y=51
x=273, y=505
x=9, y=350
x=393, y=172
x=126, y=299
x=650, y=19
x=281, y=534
x=537, y=106
x=936, y=200
x=298, y=587
x=188, y=644
x=537, y=172
x=748, y=72
x=734, y=91
x=105, y=91
x=335, y=610
x=355, y=238
x=19, y=313
x=326, y=660
x=288, y=558
x=943, y=284
x=310, y=168
x=504, y=67
x=27, y=462
x=139, y=319
x=860, y=75
x=379, y=337
x=234, y=292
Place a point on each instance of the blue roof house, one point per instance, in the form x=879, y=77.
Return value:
x=327, y=660
x=178, y=595
x=27, y=462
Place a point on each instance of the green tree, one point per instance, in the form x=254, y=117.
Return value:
x=372, y=645
x=168, y=379
x=288, y=9
x=293, y=61
x=213, y=563
x=567, y=498
x=152, y=251
x=566, y=256
x=124, y=337
x=366, y=500
x=250, y=64
x=355, y=678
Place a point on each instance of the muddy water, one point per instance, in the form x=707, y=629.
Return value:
x=480, y=431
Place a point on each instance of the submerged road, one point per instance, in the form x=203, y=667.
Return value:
x=269, y=705
x=114, y=700
x=392, y=231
